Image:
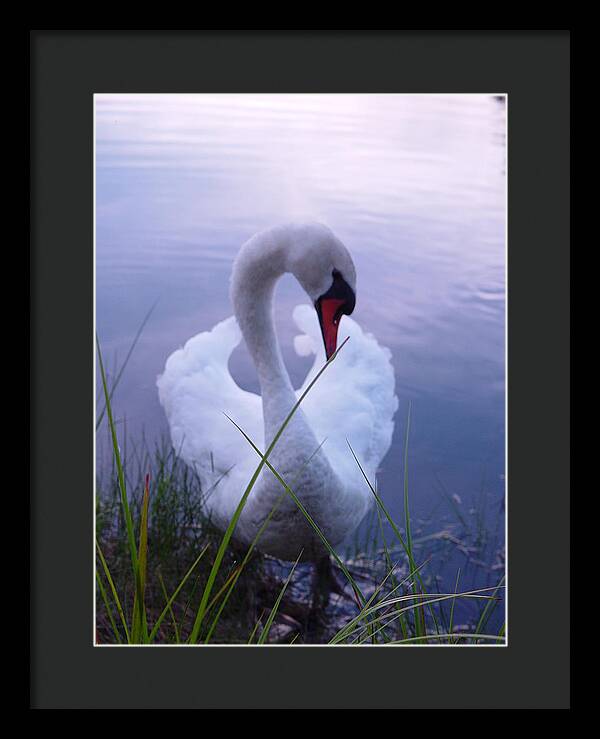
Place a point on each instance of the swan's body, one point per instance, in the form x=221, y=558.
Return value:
x=352, y=401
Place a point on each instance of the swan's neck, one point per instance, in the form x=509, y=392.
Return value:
x=260, y=263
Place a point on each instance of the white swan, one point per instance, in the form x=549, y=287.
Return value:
x=353, y=400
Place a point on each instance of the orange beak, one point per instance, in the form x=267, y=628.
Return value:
x=329, y=311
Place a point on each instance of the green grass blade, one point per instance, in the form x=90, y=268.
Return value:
x=124, y=365
x=306, y=514
x=419, y=614
x=240, y=507
x=233, y=576
x=502, y=632
x=190, y=598
x=406, y=506
x=487, y=611
x=366, y=610
x=108, y=607
x=255, y=629
x=171, y=600
x=265, y=632
x=451, y=625
x=410, y=599
x=251, y=548
x=113, y=590
x=379, y=502
x=411, y=562
x=417, y=639
x=241, y=567
x=139, y=609
x=166, y=597
x=389, y=565
x=121, y=478
x=408, y=550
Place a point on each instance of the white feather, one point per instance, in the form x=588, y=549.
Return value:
x=353, y=401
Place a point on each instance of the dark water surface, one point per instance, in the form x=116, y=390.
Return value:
x=414, y=185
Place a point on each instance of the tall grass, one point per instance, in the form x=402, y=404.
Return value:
x=399, y=610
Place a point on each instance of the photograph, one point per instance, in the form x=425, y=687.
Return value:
x=300, y=348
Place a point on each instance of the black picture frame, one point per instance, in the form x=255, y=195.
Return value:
x=66, y=68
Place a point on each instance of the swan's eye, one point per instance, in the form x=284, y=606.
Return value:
x=340, y=290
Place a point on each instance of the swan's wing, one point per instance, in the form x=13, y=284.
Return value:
x=197, y=390
x=354, y=398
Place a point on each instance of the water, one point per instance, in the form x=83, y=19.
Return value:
x=414, y=185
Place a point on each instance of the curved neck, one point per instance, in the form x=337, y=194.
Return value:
x=258, y=266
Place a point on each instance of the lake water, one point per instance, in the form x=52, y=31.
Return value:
x=414, y=185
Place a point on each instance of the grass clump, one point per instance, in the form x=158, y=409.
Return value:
x=180, y=543
x=166, y=575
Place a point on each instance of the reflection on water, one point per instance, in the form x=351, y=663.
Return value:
x=414, y=185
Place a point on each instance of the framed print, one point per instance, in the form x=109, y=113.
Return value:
x=290, y=319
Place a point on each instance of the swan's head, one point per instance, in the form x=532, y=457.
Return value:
x=324, y=268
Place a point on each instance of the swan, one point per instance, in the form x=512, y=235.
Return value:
x=352, y=402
